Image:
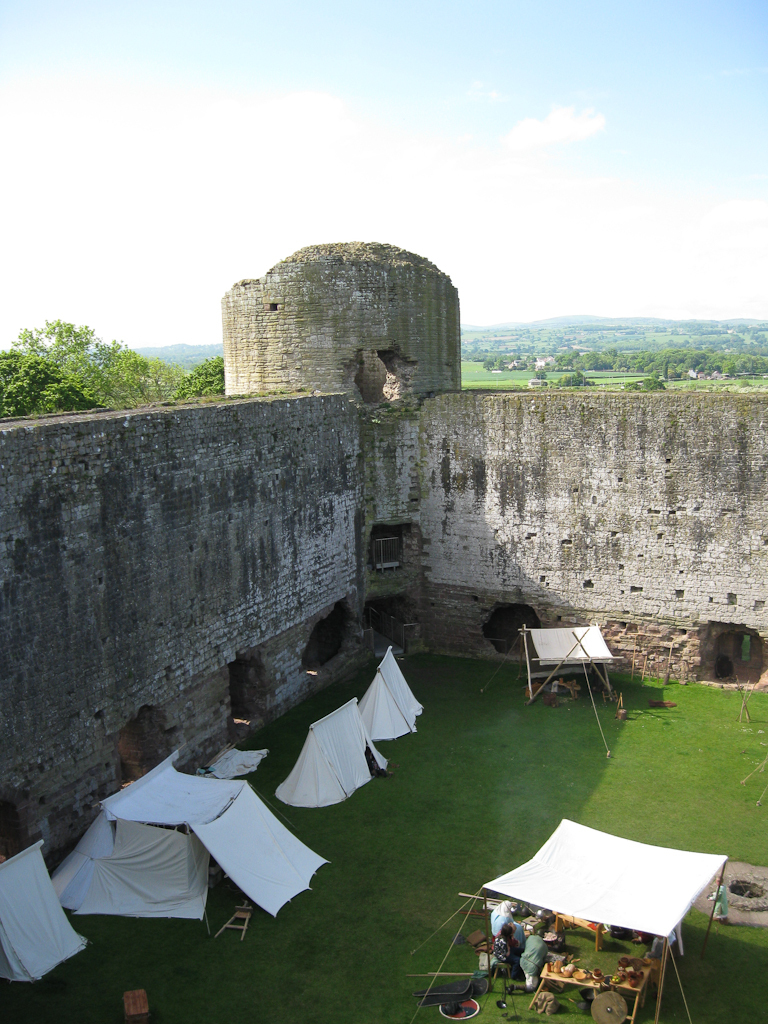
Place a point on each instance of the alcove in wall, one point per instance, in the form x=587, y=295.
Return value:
x=328, y=637
x=10, y=829
x=502, y=627
x=144, y=742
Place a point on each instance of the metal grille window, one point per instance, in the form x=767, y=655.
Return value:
x=386, y=553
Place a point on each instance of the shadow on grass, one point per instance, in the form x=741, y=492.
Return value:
x=474, y=792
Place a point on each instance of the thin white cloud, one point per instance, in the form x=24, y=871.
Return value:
x=480, y=91
x=562, y=124
x=134, y=211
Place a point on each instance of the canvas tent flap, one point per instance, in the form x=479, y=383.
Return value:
x=600, y=877
x=332, y=764
x=577, y=645
x=152, y=872
x=35, y=934
x=400, y=689
x=72, y=878
x=259, y=854
x=167, y=797
x=379, y=711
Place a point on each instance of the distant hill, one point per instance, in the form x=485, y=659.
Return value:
x=187, y=356
x=580, y=319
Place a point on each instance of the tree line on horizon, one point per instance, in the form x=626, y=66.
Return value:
x=669, y=363
x=64, y=368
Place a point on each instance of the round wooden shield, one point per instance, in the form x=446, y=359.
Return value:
x=609, y=1008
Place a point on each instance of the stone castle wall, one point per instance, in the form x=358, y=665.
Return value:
x=142, y=554
x=370, y=319
x=631, y=509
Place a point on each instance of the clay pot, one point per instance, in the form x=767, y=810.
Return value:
x=597, y=974
x=624, y=961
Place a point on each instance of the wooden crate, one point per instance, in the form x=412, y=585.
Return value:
x=136, y=1007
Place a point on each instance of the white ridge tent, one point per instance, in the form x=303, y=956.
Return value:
x=156, y=872
x=35, y=934
x=599, y=877
x=332, y=764
x=388, y=707
x=548, y=651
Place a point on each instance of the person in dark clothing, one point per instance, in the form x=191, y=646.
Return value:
x=507, y=949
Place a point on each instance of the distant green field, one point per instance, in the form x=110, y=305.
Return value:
x=473, y=376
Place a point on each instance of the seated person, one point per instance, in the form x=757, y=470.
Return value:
x=532, y=960
x=503, y=915
x=507, y=949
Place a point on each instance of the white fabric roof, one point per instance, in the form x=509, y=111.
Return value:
x=167, y=797
x=259, y=854
x=604, y=878
x=35, y=934
x=400, y=690
x=571, y=646
x=378, y=709
x=152, y=872
x=331, y=765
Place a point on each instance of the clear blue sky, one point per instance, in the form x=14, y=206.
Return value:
x=661, y=145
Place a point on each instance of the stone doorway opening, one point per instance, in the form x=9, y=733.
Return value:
x=249, y=688
x=503, y=625
x=738, y=655
x=328, y=637
x=143, y=743
x=383, y=375
x=10, y=830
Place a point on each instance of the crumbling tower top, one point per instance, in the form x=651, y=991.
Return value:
x=363, y=317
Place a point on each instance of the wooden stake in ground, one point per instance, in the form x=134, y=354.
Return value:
x=669, y=664
x=634, y=652
x=645, y=666
x=744, y=698
x=619, y=705
x=661, y=980
x=714, y=904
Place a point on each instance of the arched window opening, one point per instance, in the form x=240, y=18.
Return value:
x=502, y=628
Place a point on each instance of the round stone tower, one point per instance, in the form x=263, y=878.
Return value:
x=355, y=316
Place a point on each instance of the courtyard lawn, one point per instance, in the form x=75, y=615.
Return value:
x=475, y=792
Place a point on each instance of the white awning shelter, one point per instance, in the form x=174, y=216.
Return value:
x=332, y=763
x=599, y=877
x=156, y=872
x=389, y=708
x=35, y=934
x=575, y=648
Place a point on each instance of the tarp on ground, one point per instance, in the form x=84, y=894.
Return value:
x=258, y=853
x=152, y=872
x=389, y=708
x=573, y=646
x=600, y=877
x=235, y=762
x=332, y=764
x=35, y=934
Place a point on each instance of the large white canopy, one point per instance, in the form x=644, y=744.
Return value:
x=35, y=934
x=600, y=877
x=332, y=764
x=148, y=874
x=574, y=646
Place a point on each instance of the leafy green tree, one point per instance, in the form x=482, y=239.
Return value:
x=117, y=376
x=573, y=380
x=205, y=379
x=30, y=384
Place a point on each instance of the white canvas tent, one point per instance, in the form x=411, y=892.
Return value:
x=548, y=651
x=35, y=934
x=155, y=872
x=332, y=764
x=599, y=877
x=389, y=708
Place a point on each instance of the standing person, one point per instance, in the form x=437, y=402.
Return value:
x=503, y=914
x=533, y=959
x=507, y=949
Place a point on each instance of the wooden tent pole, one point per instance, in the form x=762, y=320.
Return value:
x=744, y=698
x=714, y=904
x=661, y=980
x=554, y=672
x=634, y=652
x=488, y=942
x=527, y=660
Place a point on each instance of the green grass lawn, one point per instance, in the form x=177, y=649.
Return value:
x=475, y=792
x=474, y=377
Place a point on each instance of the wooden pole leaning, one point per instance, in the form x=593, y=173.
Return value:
x=714, y=904
x=661, y=980
x=551, y=674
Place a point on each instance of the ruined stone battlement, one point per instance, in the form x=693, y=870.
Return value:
x=367, y=318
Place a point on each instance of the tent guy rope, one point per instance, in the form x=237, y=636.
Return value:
x=597, y=717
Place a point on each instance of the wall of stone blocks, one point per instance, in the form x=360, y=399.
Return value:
x=318, y=319
x=622, y=508
x=140, y=552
